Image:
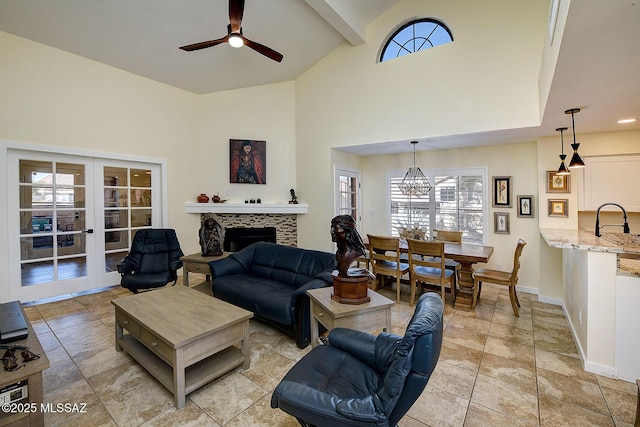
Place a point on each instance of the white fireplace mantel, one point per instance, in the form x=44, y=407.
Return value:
x=246, y=208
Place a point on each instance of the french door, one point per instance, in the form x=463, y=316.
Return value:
x=347, y=194
x=71, y=220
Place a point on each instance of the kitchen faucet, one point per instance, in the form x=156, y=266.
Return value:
x=624, y=212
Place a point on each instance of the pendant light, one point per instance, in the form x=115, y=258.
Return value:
x=576, y=160
x=562, y=170
x=414, y=182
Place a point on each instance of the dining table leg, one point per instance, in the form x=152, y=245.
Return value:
x=465, y=295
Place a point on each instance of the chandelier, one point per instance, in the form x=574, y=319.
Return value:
x=414, y=182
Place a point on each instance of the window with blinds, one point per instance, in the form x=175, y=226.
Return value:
x=455, y=202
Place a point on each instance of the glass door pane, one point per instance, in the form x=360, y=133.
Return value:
x=52, y=215
x=127, y=208
x=348, y=194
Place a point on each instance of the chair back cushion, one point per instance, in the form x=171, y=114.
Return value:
x=415, y=354
x=155, y=251
x=419, y=349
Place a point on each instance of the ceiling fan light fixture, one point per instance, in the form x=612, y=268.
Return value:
x=236, y=40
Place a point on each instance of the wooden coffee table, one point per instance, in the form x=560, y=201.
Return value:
x=182, y=337
x=367, y=317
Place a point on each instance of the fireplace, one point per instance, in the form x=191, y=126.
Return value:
x=236, y=238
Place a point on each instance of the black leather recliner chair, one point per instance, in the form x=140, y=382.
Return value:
x=153, y=260
x=362, y=380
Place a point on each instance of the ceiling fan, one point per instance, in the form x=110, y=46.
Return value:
x=234, y=35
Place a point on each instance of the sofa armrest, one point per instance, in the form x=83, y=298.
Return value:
x=126, y=267
x=311, y=284
x=225, y=267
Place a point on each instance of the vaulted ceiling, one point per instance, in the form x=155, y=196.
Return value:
x=598, y=67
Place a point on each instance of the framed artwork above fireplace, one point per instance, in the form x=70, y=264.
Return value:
x=247, y=161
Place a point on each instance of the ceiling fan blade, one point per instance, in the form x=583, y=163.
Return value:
x=204, y=45
x=236, y=10
x=264, y=50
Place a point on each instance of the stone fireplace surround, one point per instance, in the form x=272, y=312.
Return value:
x=286, y=225
x=282, y=216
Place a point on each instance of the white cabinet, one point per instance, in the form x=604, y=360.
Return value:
x=611, y=179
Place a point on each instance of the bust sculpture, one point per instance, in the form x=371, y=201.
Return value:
x=294, y=198
x=211, y=236
x=350, y=245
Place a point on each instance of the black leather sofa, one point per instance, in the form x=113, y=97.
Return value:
x=271, y=281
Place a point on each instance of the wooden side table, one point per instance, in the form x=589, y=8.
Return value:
x=371, y=316
x=196, y=263
x=31, y=373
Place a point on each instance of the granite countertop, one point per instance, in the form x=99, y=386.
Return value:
x=627, y=246
x=585, y=240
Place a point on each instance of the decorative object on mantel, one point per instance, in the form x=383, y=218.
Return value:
x=350, y=285
x=576, y=160
x=211, y=235
x=248, y=161
x=216, y=199
x=203, y=198
x=294, y=198
x=562, y=170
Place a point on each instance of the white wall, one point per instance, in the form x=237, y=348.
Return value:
x=486, y=79
x=521, y=166
x=53, y=98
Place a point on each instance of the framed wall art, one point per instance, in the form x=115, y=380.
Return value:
x=525, y=207
x=501, y=191
x=501, y=222
x=559, y=207
x=247, y=161
x=558, y=183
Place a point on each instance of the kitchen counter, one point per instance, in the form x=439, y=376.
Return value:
x=600, y=284
x=627, y=246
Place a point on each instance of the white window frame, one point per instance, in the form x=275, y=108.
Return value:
x=431, y=174
x=352, y=173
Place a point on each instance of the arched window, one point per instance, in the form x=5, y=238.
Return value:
x=414, y=36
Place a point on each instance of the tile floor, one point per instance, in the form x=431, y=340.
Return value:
x=494, y=370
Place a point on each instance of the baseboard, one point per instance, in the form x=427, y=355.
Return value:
x=594, y=368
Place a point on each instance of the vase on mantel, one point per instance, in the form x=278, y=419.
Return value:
x=203, y=198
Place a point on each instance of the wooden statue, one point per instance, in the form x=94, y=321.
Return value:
x=211, y=236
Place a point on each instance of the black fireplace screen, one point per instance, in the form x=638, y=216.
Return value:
x=240, y=237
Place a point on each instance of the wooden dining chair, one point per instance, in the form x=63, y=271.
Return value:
x=454, y=237
x=447, y=235
x=506, y=278
x=384, y=258
x=427, y=265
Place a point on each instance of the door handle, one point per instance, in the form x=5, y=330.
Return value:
x=89, y=231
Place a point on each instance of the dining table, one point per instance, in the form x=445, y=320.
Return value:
x=467, y=254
